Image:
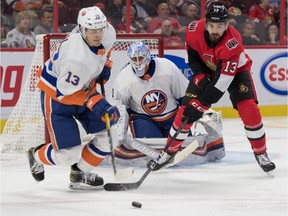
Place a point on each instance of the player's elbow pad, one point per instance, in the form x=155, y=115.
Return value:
x=211, y=95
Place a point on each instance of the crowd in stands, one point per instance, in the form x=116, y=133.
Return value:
x=258, y=21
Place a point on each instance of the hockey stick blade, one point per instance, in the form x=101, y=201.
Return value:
x=126, y=186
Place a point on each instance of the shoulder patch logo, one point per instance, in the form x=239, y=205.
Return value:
x=192, y=26
x=232, y=43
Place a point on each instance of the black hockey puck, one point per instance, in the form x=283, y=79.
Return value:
x=136, y=204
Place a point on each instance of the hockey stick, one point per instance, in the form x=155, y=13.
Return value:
x=154, y=154
x=151, y=164
x=120, y=174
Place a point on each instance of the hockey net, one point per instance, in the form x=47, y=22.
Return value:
x=25, y=126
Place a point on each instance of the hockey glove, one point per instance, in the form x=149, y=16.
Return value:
x=98, y=104
x=194, y=111
x=106, y=72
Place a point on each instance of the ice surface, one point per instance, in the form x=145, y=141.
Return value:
x=235, y=186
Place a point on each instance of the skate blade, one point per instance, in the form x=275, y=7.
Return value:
x=81, y=186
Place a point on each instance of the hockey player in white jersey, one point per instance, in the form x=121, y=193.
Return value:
x=68, y=92
x=152, y=91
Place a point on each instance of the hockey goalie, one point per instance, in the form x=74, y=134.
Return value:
x=151, y=90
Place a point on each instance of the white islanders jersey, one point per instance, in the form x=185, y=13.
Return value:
x=156, y=97
x=75, y=66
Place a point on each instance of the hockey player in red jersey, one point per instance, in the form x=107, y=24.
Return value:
x=219, y=63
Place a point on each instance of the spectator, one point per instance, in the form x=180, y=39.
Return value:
x=17, y=7
x=163, y=14
x=145, y=11
x=114, y=11
x=272, y=35
x=46, y=22
x=249, y=37
x=173, y=8
x=191, y=13
x=135, y=26
x=262, y=12
x=170, y=39
x=21, y=35
x=102, y=7
x=5, y=27
x=68, y=12
x=33, y=7
x=90, y=3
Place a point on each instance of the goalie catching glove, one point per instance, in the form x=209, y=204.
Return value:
x=98, y=104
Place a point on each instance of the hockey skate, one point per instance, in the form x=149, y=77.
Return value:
x=80, y=180
x=265, y=163
x=37, y=169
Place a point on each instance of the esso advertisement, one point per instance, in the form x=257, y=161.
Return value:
x=274, y=73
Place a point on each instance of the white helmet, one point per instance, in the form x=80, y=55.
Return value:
x=91, y=18
x=140, y=53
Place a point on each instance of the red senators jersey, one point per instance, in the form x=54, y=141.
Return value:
x=229, y=50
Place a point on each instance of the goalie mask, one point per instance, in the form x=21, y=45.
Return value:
x=139, y=55
x=91, y=18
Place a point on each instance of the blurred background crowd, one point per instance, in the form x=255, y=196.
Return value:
x=258, y=21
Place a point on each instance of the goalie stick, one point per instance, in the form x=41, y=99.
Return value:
x=118, y=174
x=154, y=154
x=151, y=164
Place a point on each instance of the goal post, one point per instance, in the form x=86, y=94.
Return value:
x=25, y=126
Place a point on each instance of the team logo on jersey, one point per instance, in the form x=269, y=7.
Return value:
x=192, y=26
x=232, y=43
x=83, y=13
x=243, y=88
x=154, y=102
x=208, y=59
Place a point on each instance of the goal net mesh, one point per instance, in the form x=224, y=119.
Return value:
x=25, y=126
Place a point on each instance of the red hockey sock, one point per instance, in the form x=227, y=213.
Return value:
x=176, y=143
x=252, y=120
